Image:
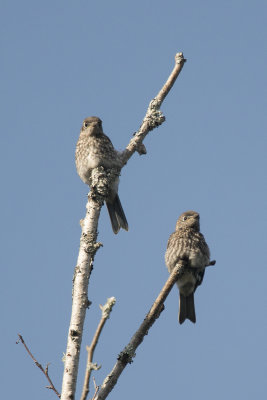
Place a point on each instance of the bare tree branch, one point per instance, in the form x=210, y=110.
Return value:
x=154, y=116
x=106, y=310
x=101, y=181
x=126, y=355
x=44, y=371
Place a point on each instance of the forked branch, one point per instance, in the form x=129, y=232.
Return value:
x=88, y=244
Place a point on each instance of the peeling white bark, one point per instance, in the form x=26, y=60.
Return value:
x=83, y=269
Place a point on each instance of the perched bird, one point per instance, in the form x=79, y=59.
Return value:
x=94, y=149
x=187, y=243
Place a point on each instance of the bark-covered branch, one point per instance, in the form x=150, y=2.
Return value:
x=101, y=182
x=154, y=116
x=126, y=355
x=88, y=248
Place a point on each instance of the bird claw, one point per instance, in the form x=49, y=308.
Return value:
x=213, y=262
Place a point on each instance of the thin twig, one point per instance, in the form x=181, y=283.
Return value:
x=45, y=371
x=96, y=389
x=127, y=354
x=106, y=310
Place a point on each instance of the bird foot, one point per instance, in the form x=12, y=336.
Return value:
x=213, y=262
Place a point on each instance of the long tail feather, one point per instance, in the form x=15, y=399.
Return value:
x=113, y=218
x=186, y=308
x=116, y=214
x=190, y=308
x=182, y=309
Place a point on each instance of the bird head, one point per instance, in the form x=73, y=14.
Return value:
x=92, y=126
x=189, y=219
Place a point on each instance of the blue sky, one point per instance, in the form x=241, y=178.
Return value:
x=63, y=61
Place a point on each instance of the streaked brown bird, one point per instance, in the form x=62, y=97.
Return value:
x=187, y=243
x=94, y=149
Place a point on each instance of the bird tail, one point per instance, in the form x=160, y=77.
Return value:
x=187, y=308
x=116, y=214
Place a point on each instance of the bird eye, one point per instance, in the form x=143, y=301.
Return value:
x=185, y=218
x=85, y=124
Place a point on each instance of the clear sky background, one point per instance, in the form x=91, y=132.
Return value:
x=62, y=61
